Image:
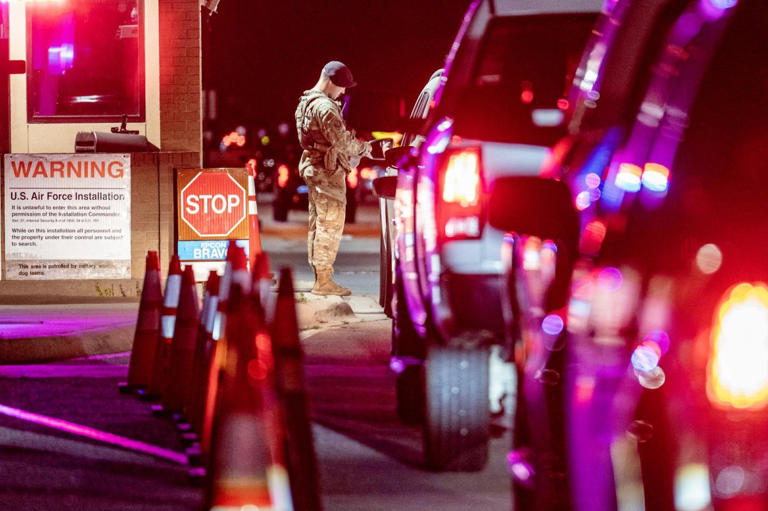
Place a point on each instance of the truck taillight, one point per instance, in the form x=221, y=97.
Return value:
x=737, y=371
x=460, y=201
x=282, y=175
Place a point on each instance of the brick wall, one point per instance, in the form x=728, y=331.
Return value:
x=180, y=76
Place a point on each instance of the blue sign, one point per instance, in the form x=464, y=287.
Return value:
x=207, y=250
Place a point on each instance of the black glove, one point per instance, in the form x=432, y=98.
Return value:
x=379, y=147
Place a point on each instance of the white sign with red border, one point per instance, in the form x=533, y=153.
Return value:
x=67, y=216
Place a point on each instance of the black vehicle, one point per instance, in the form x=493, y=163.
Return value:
x=664, y=375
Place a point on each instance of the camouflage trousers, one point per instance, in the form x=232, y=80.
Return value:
x=326, y=224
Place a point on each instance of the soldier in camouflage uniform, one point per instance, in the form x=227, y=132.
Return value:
x=330, y=152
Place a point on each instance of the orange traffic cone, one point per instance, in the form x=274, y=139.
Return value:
x=183, y=346
x=254, y=237
x=203, y=347
x=234, y=271
x=261, y=287
x=289, y=382
x=159, y=380
x=147, y=328
x=246, y=443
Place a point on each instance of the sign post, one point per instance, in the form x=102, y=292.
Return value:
x=212, y=212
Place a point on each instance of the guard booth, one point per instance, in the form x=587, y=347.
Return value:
x=78, y=225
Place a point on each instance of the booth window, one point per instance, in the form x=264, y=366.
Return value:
x=85, y=61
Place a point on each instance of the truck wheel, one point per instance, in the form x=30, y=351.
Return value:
x=456, y=413
x=409, y=388
x=406, y=343
x=280, y=210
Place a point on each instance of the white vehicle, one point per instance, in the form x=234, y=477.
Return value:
x=498, y=108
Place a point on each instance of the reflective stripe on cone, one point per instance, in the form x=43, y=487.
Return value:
x=183, y=346
x=160, y=367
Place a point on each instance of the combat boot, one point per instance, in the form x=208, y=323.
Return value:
x=325, y=286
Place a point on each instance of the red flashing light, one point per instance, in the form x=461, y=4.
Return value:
x=368, y=173
x=282, y=175
x=526, y=96
x=352, y=178
x=233, y=138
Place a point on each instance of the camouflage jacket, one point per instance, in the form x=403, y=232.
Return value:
x=329, y=147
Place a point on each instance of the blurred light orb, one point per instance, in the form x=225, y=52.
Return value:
x=652, y=379
x=583, y=200
x=609, y=279
x=709, y=259
x=644, y=358
x=730, y=481
x=692, y=491
x=552, y=324
x=724, y=4
x=592, y=180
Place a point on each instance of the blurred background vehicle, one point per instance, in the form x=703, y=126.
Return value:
x=665, y=371
x=499, y=107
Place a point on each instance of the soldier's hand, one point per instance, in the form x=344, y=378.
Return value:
x=379, y=147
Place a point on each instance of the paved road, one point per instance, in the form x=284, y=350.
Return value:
x=367, y=459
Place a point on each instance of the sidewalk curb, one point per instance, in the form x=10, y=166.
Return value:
x=313, y=312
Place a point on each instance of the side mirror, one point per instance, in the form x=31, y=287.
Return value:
x=536, y=206
x=399, y=157
x=385, y=187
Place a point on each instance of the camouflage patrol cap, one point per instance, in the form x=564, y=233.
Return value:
x=339, y=74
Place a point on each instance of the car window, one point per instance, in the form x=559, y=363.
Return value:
x=522, y=77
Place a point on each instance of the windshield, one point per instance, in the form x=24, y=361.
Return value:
x=521, y=80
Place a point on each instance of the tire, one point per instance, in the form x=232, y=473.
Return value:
x=385, y=273
x=409, y=389
x=351, y=212
x=279, y=210
x=409, y=385
x=456, y=411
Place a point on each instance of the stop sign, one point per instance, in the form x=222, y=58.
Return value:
x=213, y=204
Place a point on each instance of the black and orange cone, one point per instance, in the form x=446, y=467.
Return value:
x=183, y=346
x=159, y=379
x=147, y=328
x=289, y=382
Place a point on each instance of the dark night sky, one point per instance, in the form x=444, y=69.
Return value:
x=266, y=52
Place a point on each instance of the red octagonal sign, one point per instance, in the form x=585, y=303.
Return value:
x=213, y=204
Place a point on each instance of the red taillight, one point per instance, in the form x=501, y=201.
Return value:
x=460, y=201
x=282, y=175
x=737, y=372
x=352, y=178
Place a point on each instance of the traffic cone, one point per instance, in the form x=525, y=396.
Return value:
x=246, y=467
x=159, y=379
x=147, y=328
x=261, y=287
x=254, y=237
x=203, y=345
x=234, y=271
x=289, y=383
x=183, y=346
